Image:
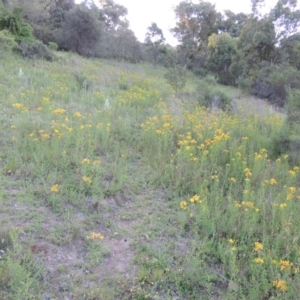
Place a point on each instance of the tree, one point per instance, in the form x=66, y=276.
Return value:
x=231, y=23
x=81, y=31
x=286, y=17
x=126, y=46
x=195, y=23
x=154, y=40
x=112, y=14
x=290, y=50
x=15, y=24
x=256, y=45
x=221, y=49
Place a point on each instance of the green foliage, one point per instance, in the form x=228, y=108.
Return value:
x=231, y=23
x=288, y=139
x=211, y=97
x=36, y=49
x=176, y=77
x=221, y=49
x=272, y=82
x=14, y=22
x=7, y=41
x=154, y=41
x=290, y=50
x=52, y=46
x=255, y=45
x=81, y=31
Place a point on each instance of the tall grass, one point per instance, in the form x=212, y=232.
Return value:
x=69, y=143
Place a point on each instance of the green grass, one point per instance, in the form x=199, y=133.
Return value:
x=113, y=188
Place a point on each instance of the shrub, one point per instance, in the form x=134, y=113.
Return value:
x=213, y=98
x=288, y=140
x=272, y=82
x=14, y=22
x=36, y=50
x=176, y=77
x=7, y=41
x=52, y=46
x=210, y=79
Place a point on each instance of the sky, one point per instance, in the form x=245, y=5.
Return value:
x=141, y=13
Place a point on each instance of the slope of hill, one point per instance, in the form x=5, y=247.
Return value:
x=113, y=188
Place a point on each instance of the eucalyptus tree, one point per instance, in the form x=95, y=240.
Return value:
x=154, y=42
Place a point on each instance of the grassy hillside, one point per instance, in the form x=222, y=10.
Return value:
x=113, y=188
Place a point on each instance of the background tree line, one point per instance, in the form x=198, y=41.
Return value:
x=87, y=29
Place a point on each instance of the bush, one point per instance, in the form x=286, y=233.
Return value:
x=14, y=22
x=7, y=41
x=272, y=83
x=213, y=98
x=36, y=50
x=176, y=77
x=52, y=46
x=210, y=79
x=288, y=140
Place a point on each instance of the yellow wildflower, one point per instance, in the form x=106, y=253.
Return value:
x=272, y=181
x=46, y=100
x=94, y=236
x=280, y=285
x=194, y=199
x=231, y=241
x=282, y=205
x=259, y=260
x=292, y=190
x=55, y=188
x=232, y=179
x=77, y=114
x=59, y=111
x=18, y=105
x=96, y=162
x=285, y=264
x=85, y=161
x=247, y=172
x=183, y=205
x=87, y=179
x=46, y=136
x=258, y=246
x=292, y=173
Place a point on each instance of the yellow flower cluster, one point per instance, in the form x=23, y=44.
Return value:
x=86, y=179
x=78, y=115
x=280, y=285
x=292, y=191
x=86, y=161
x=59, y=111
x=285, y=265
x=55, y=188
x=247, y=172
x=258, y=246
x=246, y=205
x=95, y=236
x=183, y=205
x=259, y=260
x=195, y=199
